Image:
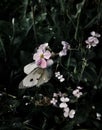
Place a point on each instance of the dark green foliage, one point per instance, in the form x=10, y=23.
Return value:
x=26, y=24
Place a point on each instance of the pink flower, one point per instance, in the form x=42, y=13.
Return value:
x=43, y=46
x=66, y=47
x=92, y=41
x=94, y=34
x=41, y=57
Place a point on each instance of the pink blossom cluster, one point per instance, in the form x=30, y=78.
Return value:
x=66, y=47
x=92, y=41
x=43, y=56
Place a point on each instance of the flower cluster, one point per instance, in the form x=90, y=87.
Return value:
x=77, y=92
x=61, y=100
x=43, y=56
x=92, y=41
x=59, y=76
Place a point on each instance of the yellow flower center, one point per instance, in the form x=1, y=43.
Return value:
x=41, y=56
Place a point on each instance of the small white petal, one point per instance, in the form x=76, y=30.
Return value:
x=75, y=91
x=93, y=33
x=57, y=74
x=71, y=113
x=50, y=62
x=26, y=103
x=53, y=101
x=78, y=87
x=64, y=99
x=63, y=105
x=66, y=109
x=55, y=94
x=98, y=115
x=61, y=76
x=65, y=114
x=62, y=79
x=63, y=53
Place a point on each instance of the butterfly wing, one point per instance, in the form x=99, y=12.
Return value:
x=45, y=77
x=31, y=79
x=37, y=77
x=29, y=68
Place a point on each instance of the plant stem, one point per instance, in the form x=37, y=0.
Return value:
x=84, y=64
x=34, y=29
x=68, y=62
x=78, y=18
x=98, y=78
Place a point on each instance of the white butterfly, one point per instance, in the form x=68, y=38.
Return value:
x=35, y=76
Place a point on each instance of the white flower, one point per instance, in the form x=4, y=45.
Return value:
x=62, y=79
x=68, y=113
x=53, y=101
x=57, y=74
x=55, y=94
x=64, y=99
x=77, y=93
x=78, y=87
x=26, y=103
x=60, y=76
x=98, y=115
x=71, y=113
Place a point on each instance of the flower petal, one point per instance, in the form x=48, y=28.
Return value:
x=64, y=99
x=47, y=55
x=50, y=62
x=71, y=113
x=65, y=114
x=36, y=56
x=66, y=109
x=42, y=63
x=63, y=105
x=43, y=46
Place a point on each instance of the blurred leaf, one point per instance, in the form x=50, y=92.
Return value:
x=2, y=48
x=6, y=28
x=68, y=126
